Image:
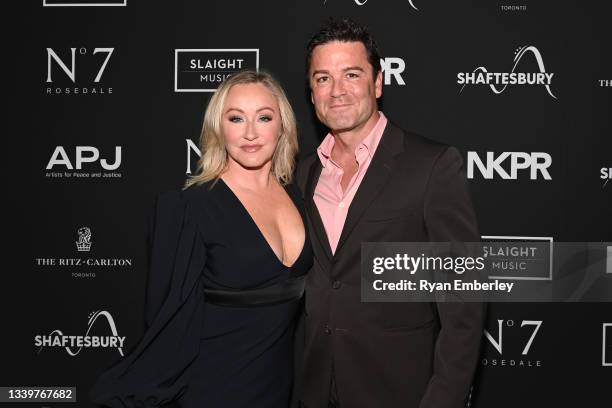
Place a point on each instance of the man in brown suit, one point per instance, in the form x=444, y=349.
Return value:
x=372, y=181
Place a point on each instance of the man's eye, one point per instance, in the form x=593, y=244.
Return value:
x=265, y=118
x=352, y=75
x=321, y=79
x=235, y=119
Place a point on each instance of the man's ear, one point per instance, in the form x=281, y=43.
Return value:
x=378, y=84
x=311, y=97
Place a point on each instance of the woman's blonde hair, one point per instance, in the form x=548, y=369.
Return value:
x=213, y=159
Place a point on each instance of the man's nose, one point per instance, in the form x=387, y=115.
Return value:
x=338, y=88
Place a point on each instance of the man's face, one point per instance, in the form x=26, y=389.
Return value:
x=343, y=87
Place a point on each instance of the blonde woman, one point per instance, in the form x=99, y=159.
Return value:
x=229, y=255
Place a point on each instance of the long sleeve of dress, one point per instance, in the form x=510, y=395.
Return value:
x=157, y=370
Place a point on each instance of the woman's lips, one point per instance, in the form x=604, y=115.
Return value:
x=251, y=148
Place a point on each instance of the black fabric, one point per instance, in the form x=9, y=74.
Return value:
x=196, y=353
x=285, y=291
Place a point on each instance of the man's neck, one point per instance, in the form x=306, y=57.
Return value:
x=346, y=142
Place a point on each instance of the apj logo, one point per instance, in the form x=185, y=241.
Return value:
x=75, y=344
x=362, y=2
x=86, y=157
x=499, y=81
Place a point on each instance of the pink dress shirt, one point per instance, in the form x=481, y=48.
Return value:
x=333, y=203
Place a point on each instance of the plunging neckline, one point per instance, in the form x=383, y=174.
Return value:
x=261, y=235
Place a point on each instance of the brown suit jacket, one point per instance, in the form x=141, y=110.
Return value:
x=389, y=354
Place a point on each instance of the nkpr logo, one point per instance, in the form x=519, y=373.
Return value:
x=392, y=69
x=362, y=2
x=81, y=3
x=499, y=81
x=202, y=70
x=63, y=78
x=85, y=163
x=74, y=344
x=510, y=165
x=513, y=352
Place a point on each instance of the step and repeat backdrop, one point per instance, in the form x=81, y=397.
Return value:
x=104, y=111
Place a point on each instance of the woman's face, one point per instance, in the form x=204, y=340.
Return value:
x=251, y=125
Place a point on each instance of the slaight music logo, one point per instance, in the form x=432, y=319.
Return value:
x=499, y=81
x=535, y=163
x=362, y=2
x=81, y=3
x=202, y=70
x=75, y=344
x=85, y=158
x=84, y=242
x=606, y=175
x=518, y=257
x=527, y=330
x=606, y=345
x=63, y=64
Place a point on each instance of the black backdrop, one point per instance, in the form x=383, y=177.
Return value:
x=136, y=107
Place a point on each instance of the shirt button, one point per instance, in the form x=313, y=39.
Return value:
x=336, y=285
x=328, y=329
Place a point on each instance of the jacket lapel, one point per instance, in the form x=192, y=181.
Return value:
x=375, y=179
x=313, y=211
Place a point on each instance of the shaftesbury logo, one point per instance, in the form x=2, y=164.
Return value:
x=74, y=344
x=72, y=88
x=497, y=344
x=202, y=70
x=499, y=81
x=84, y=242
x=81, y=3
x=606, y=174
x=362, y=2
x=606, y=345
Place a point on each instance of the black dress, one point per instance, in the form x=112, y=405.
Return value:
x=219, y=310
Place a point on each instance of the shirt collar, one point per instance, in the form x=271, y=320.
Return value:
x=370, y=142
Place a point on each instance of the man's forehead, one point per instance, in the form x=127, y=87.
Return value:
x=342, y=53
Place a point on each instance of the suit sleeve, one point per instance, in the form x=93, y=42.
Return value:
x=157, y=370
x=449, y=216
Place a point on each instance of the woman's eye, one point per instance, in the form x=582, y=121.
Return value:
x=265, y=118
x=235, y=119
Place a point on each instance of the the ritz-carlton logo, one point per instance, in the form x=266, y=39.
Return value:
x=362, y=2
x=84, y=242
x=499, y=81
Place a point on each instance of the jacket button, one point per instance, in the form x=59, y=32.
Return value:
x=328, y=329
x=336, y=284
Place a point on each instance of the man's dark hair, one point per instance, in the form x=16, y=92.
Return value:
x=345, y=30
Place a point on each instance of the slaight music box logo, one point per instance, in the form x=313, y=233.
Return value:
x=84, y=3
x=203, y=70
